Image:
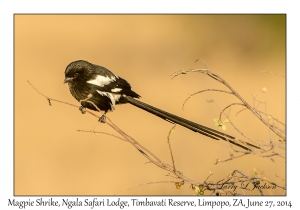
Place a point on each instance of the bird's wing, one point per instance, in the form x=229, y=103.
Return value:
x=112, y=84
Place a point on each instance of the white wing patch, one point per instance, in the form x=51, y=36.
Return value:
x=102, y=80
x=116, y=90
x=113, y=98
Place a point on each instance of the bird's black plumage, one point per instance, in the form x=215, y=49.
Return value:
x=97, y=88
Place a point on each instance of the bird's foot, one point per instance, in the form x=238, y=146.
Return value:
x=82, y=109
x=102, y=119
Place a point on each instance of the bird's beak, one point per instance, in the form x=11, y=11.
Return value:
x=67, y=79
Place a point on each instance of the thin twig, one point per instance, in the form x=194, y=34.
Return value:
x=261, y=112
x=269, y=72
x=238, y=112
x=201, y=91
x=239, y=131
x=233, y=157
x=222, y=81
x=144, y=151
x=220, y=116
x=184, y=71
x=48, y=98
x=199, y=59
x=102, y=133
x=169, y=143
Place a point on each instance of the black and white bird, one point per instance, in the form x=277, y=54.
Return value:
x=97, y=88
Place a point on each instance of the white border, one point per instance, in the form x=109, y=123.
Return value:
x=8, y=8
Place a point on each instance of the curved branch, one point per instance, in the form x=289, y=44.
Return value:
x=201, y=91
x=144, y=151
x=228, y=107
x=169, y=143
x=95, y=132
x=184, y=71
x=219, y=79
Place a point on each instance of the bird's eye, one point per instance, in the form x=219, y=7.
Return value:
x=76, y=74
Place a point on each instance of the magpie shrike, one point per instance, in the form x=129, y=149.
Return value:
x=97, y=88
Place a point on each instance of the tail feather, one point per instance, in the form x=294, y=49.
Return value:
x=214, y=134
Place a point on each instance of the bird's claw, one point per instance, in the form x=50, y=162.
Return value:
x=102, y=119
x=82, y=109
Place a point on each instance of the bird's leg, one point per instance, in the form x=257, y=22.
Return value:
x=82, y=109
x=102, y=119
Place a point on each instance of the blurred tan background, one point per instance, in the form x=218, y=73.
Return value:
x=52, y=158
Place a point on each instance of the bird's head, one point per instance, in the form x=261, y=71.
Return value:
x=77, y=71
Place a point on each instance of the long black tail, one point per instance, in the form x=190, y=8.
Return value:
x=214, y=134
